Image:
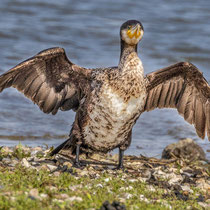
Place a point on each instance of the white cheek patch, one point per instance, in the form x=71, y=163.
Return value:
x=128, y=40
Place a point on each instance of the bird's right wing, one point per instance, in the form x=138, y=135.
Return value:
x=50, y=80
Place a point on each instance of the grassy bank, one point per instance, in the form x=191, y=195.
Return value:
x=29, y=179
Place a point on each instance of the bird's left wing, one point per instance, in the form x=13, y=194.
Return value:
x=181, y=86
x=49, y=79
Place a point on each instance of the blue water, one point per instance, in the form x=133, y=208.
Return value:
x=89, y=32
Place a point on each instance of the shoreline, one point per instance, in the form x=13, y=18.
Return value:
x=31, y=179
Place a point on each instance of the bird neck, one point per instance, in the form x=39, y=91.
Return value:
x=126, y=50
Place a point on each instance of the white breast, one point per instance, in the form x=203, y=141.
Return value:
x=109, y=117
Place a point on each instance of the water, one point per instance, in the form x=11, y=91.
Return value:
x=89, y=32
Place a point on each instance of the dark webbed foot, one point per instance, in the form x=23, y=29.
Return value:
x=77, y=165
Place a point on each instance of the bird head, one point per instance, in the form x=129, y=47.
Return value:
x=131, y=32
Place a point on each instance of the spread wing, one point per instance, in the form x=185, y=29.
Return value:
x=181, y=86
x=49, y=79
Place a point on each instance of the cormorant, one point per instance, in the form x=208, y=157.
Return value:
x=108, y=101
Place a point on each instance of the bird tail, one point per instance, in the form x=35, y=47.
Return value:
x=65, y=145
x=70, y=144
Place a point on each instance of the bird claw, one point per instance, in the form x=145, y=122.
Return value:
x=119, y=167
x=78, y=165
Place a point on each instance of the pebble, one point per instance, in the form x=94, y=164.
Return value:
x=204, y=205
x=74, y=198
x=75, y=187
x=127, y=195
x=62, y=196
x=51, y=167
x=132, y=180
x=43, y=195
x=143, y=198
x=187, y=188
x=68, y=164
x=52, y=188
x=34, y=194
x=56, y=173
x=99, y=185
x=25, y=163
x=151, y=188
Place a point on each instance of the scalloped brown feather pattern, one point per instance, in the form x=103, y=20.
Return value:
x=181, y=86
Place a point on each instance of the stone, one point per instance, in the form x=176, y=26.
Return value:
x=51, y=188
x=187, y=188
x=203, y=185
x=151, y=188
x=6, y=160
x=74, y=198
x=51, y=167
x=185, y=149
x=75, y=187
x=204, y=205
x=25, y=163
x=143, y=198
x=68, y=164
x=127, y=195
x=34, y=194
x=43, y=195
x=62, y=196
x=107, y=179
x=56, y=173
x=99, y=185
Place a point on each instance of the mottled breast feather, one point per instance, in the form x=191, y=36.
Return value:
x=116, y=102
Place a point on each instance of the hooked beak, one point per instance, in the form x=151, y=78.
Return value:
x=134, y=31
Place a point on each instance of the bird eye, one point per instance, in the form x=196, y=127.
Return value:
x=129, y=27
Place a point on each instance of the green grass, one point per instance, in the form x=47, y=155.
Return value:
x=55, y=191
x=16, y=185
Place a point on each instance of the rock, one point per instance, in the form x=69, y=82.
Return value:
x=62, y=196
x=6, y=160
x=51, y=167
x=25, y=163
x=107, y=179
x=132, y=180
x=56, y=173
x=68, y=164
x=204, y=205
x=203, y=185
x=34, y=194
x=186, y=188
x=43, y=167
x=185, y=149
x=127, y=195
x=75, y=187
x=43, y=195
x=142, y=198
x=74, y=198
x=6, y=150
x=51, y=188
x=99, y=185
x=151, y=188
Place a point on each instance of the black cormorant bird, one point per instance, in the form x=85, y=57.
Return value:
x=108, y=101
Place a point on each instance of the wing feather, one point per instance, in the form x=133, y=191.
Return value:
x=181, y=86
x=49, y=79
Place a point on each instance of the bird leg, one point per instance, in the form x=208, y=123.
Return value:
x=120, y=163
x=77, y=162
